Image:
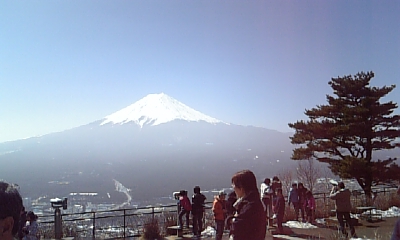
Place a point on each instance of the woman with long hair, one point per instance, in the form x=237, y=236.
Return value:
x=249, y=222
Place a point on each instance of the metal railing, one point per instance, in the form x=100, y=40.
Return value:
x=112, y=224
x=129, y=222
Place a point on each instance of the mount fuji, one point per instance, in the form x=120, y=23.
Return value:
x=155, y=109
x=154, y=147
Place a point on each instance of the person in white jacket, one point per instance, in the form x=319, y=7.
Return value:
x=266, y=197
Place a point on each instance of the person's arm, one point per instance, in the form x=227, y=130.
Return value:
x=334, y=193
x=396, y=231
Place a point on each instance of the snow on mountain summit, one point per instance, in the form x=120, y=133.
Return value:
x=155, y=109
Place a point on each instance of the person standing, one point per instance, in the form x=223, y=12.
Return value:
x=219, y=210
x=276, y=183
x=279, y=209
x=198, y=201
x=341, y=195
x=302, y=198
x=266, y=197
x=249, y=222
x=31, y=230
x=185, y=209
x=309, y=206
x=230, y=209
x=10, y=210
x=294, y=199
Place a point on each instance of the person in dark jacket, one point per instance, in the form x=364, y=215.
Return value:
x=249, y=222
x=341, y=195
x=230, y=209
x=302, y=199
x=198, y=200
x=279, y=209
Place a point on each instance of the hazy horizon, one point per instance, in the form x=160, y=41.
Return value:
x=64, y=64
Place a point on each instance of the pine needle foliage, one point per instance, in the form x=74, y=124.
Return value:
x=345, y=132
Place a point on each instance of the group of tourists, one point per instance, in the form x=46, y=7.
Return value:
x=241, y=211
x=247, y=213
x=244, y=212
x=299, y=197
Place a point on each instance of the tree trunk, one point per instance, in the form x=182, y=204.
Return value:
x=366, y=184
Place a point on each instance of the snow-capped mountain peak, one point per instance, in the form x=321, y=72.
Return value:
x=155, y=109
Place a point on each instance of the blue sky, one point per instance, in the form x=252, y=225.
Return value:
x=68, y=63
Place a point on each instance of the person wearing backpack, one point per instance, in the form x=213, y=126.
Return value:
x=266, y=197
x=186, y=207
x=198, y=200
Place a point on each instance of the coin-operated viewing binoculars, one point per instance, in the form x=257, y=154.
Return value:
x=58, y=203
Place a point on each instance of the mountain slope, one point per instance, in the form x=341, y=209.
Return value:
x=155, y=109
x=154, y=146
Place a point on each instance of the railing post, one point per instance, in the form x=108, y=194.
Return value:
x=152, y=213
x=94, y=225
x=124, y=222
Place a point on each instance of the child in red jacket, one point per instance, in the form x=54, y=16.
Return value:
x=309, y=206
x=219, y=210
x=185, y=208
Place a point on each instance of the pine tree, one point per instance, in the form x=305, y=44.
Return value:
x=347, y=131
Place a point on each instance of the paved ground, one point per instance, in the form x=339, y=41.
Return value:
x=381, y=230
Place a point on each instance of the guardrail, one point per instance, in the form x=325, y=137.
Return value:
x=112, y=224
x=129, y=222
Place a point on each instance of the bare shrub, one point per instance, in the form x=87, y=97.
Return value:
x=151, y=230
x=170, y=219
x=387, y=200
x=308, y=172
x=286, y=177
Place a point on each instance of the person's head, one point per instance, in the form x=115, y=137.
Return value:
x=279, y=191
x=182, y=193
x=341, y=185
x=294, y=185
x=196, y=189
x=308, y=193
x=31, y=216
x=267, y=181
x=244, y=182
x=275, y=179
x=221, y=195
x=10, y=210
x=232, y=195
x=300, y=185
